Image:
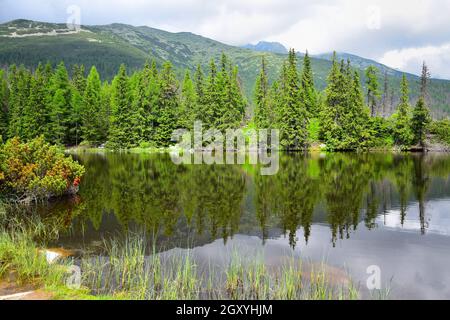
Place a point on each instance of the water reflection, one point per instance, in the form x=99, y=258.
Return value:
x=201, y=203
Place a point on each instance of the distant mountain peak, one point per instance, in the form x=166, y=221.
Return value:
x=266, y=46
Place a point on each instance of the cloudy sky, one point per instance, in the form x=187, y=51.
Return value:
x=398, y=33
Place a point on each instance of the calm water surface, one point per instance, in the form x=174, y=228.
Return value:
x=350, y=210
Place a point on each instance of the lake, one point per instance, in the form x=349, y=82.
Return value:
x=352, y=212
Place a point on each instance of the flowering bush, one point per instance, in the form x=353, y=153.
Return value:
x=36, y=170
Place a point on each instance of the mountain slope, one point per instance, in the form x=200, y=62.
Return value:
x=264, y=46
x=29, y=42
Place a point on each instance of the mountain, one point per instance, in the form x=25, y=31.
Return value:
x=264, y=46
x=361, y=63
x=107, y=46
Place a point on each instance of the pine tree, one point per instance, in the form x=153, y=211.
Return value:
x=3, y=106
x=403, y=135
x=262, y=98
x=234, y=103
x=121, y=124
x=19, y=80
x=210, y=104
x=334, y=107
x=421, y=115
x=36, y=113
x=373, y=93
x=154, y=91
x=76, y=105
x=58, y=106
x=308, y=91
x=168, y=106
x=200, y=88
x=141, y=103
x=79, y=80
x=292, y=116
x=420, y=121
x=59, y=118
x=356, y=133
x=91, y=116
x=424, y=80
x=385, y=96
x=188, y=102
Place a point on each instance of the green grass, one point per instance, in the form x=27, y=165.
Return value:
x=128, y=270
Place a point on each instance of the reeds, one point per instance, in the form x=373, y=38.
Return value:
x=127, y=268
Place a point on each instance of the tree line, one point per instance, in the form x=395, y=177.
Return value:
x=143, y=108
x=344, y=116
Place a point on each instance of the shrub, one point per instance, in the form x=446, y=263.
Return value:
x=36, y=170
x=442, y=130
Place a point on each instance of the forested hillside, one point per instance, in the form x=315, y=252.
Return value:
x=107, y=47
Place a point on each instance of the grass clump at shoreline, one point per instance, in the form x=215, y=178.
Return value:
x=127, y=269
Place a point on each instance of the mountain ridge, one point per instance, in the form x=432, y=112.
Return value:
x=123, y=43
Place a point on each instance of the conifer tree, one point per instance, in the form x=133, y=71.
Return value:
x=76, y=106
x=421, y=115
x=292, y=116
x=420, y=121
x=261, y=97
x=403, y=135
x=3, y=106
x=141, y=103
x=19, y=80
x=334, y=107
x=424, y=80
x=79, y=80
x=199, y=81
x=121, y=124
x=90, y=110
x=210, y=105
x=308, y=91
x=168, y=106
x=36, y=114
x=188, y=104
x=58, y=106
x=59, y=97
x=373, y=92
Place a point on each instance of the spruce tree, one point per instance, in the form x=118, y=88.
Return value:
x=403, y=135
x=76, y=105
x=200, y=88
x=211, y=101
x=3, y=106
x=168, y=107
x=36, y=113
x=308, y=91
x=373, y=92
x=292, y=116
x=60, y=117
x=91, y=116
x=336, y=101
x=188, y=105
x=261, y=98
x=58, y=106
x=19, y=80
x=121, y=125
x=420, y=122
x=79, y=80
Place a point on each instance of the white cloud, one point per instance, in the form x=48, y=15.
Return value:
x=411, y=59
